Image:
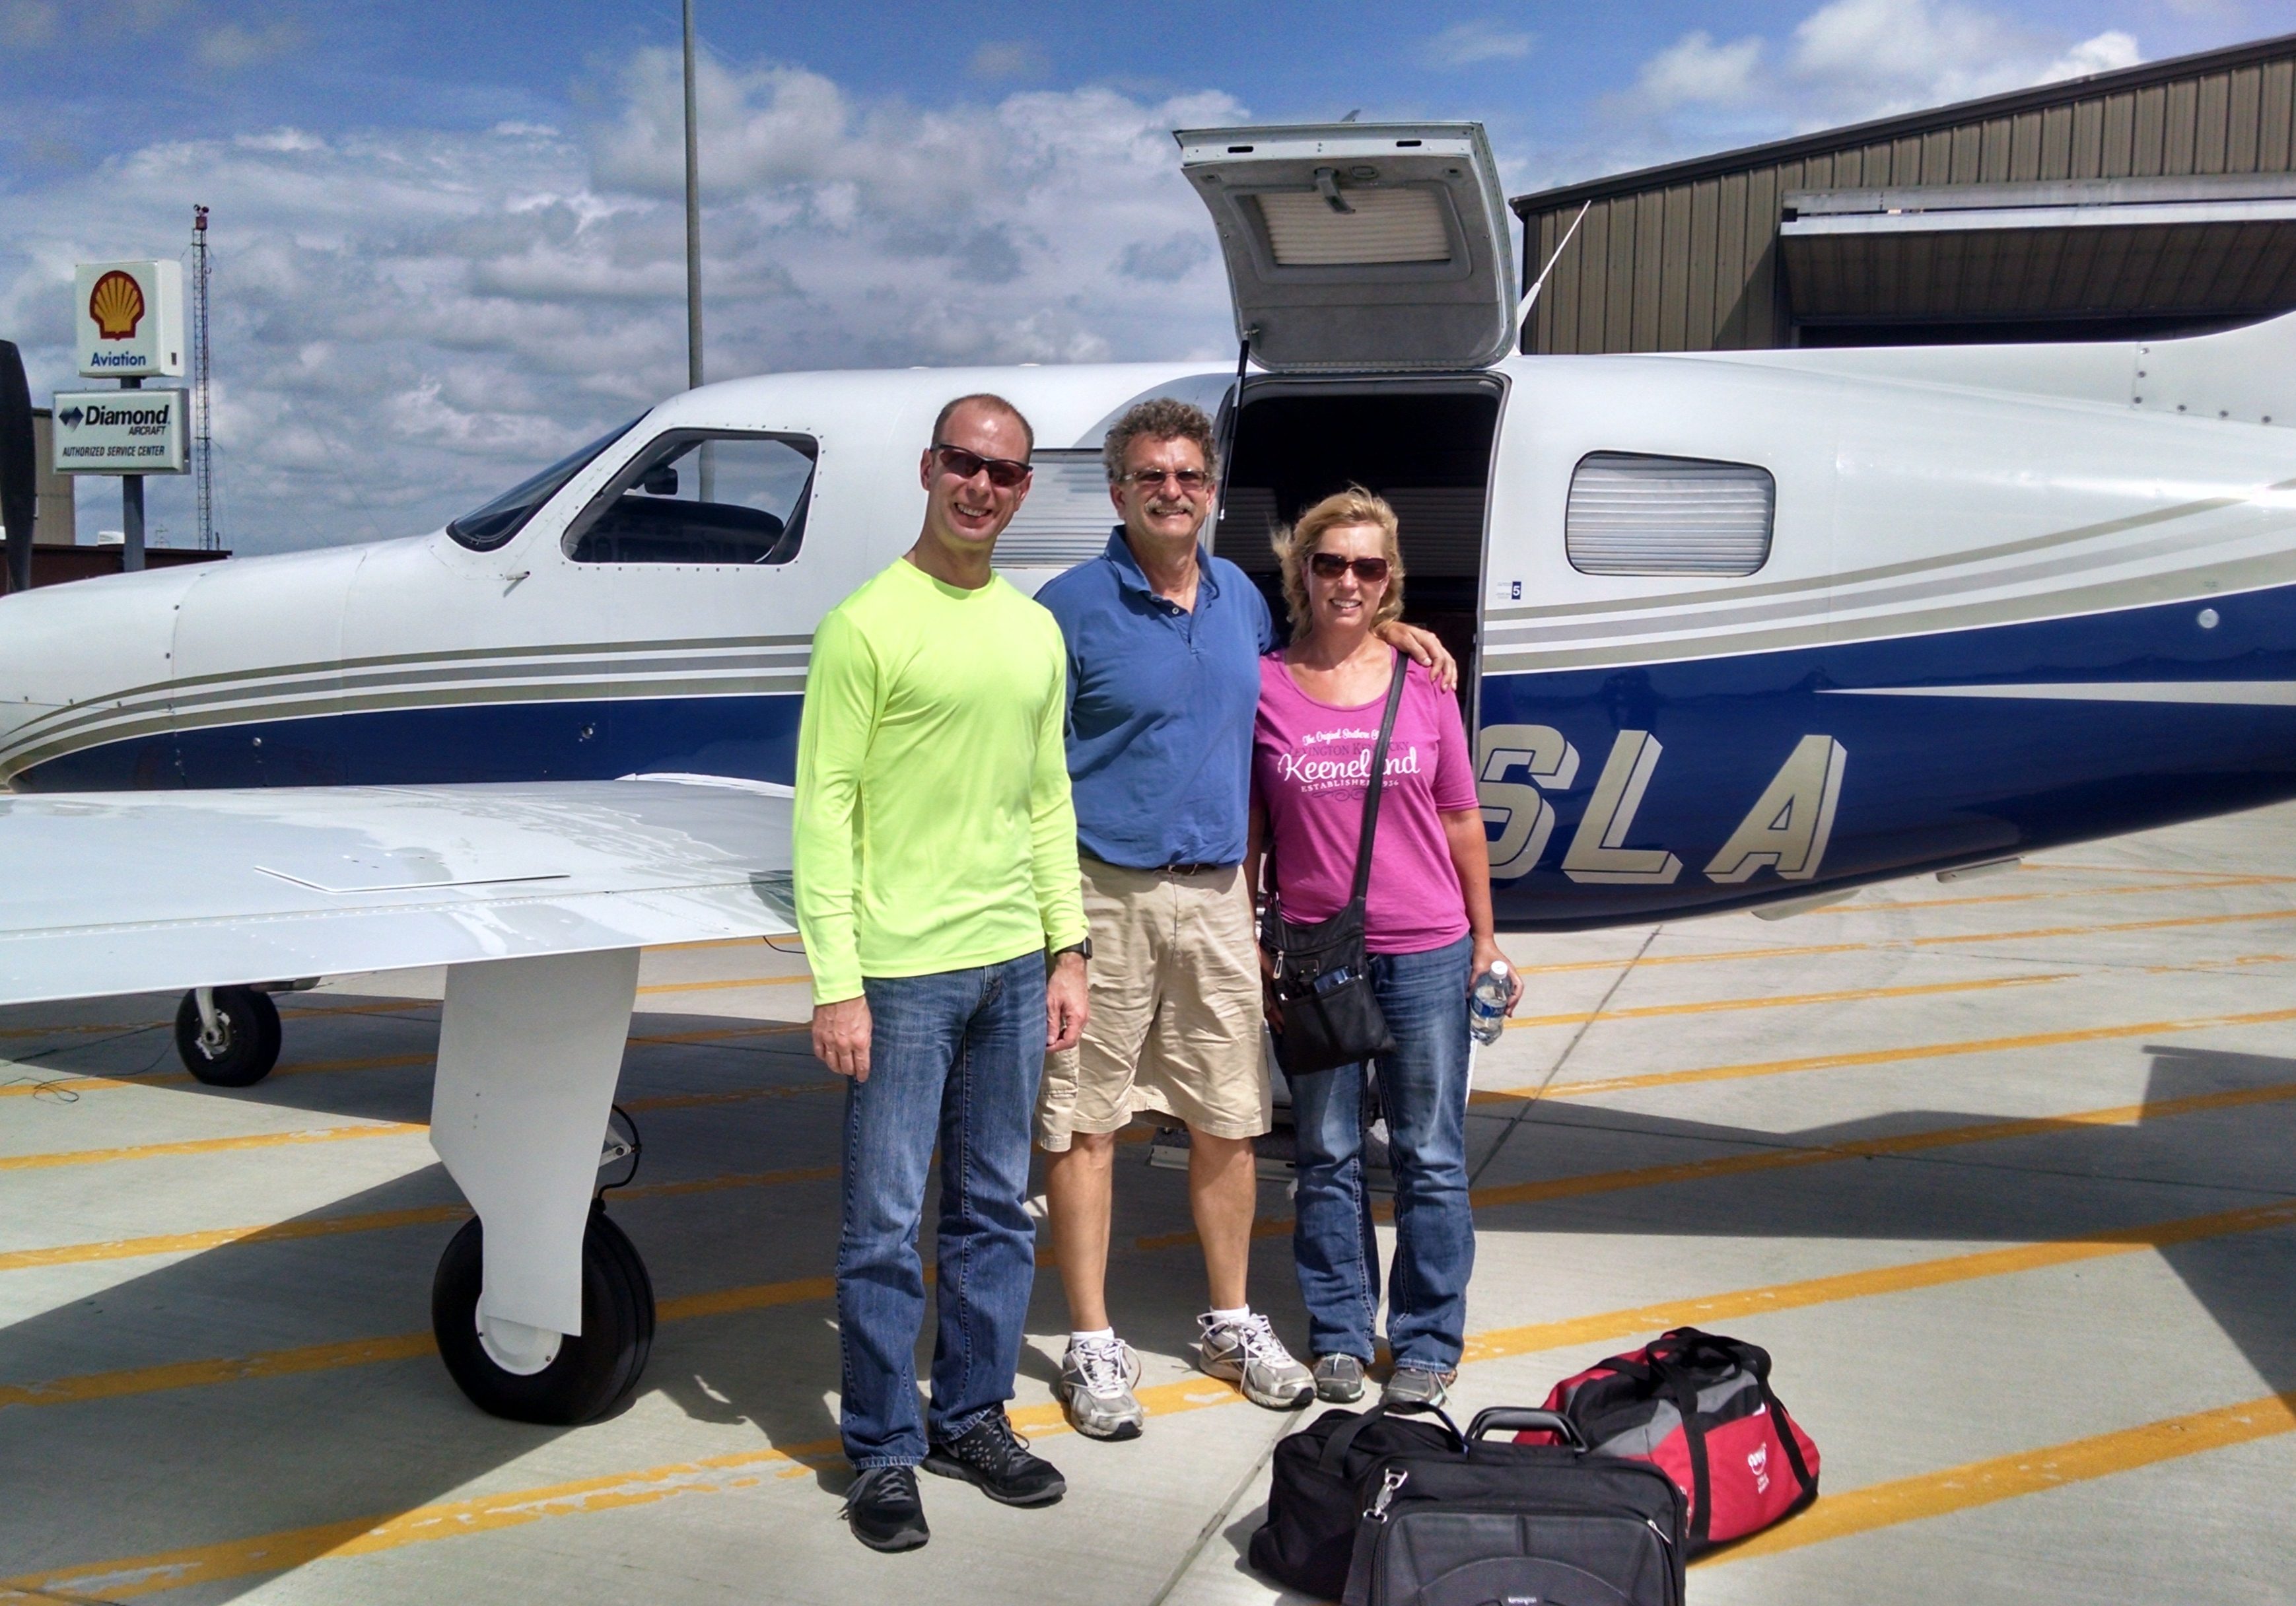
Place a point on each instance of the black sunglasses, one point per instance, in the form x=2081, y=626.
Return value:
x=1331, y=566
x=1003, y=472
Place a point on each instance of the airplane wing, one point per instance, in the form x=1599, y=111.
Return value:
x=128, y=892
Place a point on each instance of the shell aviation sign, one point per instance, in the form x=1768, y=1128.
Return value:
x=130, y=319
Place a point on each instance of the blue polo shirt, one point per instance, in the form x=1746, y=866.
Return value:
x=1161, y=704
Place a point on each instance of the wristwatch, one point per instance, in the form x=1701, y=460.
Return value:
x=1082, y=950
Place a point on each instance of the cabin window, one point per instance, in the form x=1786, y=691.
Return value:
x=1635, y=514
x=701, y=496
x=1066, y=516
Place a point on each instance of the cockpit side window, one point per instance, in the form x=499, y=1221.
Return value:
x=704, y=497
x=487, y=527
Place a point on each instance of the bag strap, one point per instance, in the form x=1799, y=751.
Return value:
x=1377, y=782
x=1684, y=1391
x=1336, y=1447
x=1786, y=1442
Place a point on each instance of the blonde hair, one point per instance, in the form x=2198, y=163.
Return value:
x=1299, y=542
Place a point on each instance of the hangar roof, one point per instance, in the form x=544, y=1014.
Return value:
x=1911, y=123
x=2151, y=202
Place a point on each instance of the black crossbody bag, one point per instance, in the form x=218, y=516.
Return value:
x=1323, y=979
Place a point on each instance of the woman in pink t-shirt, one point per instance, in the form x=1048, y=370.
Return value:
x=1427, y=929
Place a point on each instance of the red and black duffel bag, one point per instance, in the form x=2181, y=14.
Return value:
x=1699, y=1406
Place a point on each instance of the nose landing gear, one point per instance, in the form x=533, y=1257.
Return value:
x=227, y=1036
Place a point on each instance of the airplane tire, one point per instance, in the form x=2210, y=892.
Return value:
x=594, y=1375
x=250, y=1037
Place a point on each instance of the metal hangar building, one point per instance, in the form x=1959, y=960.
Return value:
x=2156, y=201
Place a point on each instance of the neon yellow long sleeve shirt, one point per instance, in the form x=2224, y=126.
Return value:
x=934, y=831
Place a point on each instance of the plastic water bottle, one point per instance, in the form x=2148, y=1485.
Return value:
x=1487, y=1003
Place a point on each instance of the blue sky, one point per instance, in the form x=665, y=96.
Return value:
x=446, y=236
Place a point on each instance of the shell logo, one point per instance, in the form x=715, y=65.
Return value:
x=117, y=306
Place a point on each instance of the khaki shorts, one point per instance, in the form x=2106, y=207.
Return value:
x=1176, y=1017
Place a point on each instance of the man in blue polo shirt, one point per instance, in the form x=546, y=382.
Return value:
x=1164, y=643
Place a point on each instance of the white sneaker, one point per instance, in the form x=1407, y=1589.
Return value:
x=1249, y=1354
x=1096, y=1386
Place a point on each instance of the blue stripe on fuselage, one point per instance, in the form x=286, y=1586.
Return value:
x=1927, y=781
x=753, y=738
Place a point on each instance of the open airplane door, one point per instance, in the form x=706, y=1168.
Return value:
x=1360, y=247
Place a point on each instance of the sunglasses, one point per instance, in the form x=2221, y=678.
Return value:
x=1148, y=480
x=1331, y=566
x=1003, y=472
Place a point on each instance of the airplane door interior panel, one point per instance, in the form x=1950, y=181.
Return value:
x=1424, y=445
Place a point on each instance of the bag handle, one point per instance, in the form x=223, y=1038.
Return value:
x=1684, y=1392
x=1501, y=1417
x=1378, y=781
x=1335, y=1448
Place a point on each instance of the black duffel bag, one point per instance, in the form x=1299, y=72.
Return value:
x=1502, y=1521
x=1314, y=1505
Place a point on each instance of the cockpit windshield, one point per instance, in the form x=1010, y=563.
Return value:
x=485, y=528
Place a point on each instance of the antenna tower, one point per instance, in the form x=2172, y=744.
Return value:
x=203, y=443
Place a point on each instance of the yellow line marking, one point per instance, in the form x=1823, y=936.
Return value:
x=177, y=1078
x=1879, y=1279
x=180, y=1078
x=1787, y=1000
x=738, y=1095
x=366, y=1535
x=1838, y=1515
x=67, y=1031
x=207, y=1145
x=2195, y=884
x=730, y=981
x=1883, y=1056
x=1786, y=1158
x=757, y=1029
x=373, y=1221
x=1808, y=950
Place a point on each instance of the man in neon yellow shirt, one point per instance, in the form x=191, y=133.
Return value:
x=936, y=877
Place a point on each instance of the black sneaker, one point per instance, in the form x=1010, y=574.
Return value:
x=884, y=1510
x=991, y=1454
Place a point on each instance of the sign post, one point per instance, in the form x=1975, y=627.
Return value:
x=131, y=327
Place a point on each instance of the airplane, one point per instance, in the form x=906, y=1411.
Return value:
x=1737, y=630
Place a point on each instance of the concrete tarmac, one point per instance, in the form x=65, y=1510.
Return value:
x=2002, y=1171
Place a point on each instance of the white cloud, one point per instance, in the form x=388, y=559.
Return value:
x=1844, y=63
x=1471, y=43
x=406, y=322
x=998, y=60
x=233, y=45
x=1867, y=58
x=1696, y=71
x=2107, y=52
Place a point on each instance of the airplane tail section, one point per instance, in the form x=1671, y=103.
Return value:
x=2245, y=375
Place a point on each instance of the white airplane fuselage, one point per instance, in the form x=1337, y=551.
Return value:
x=2009, y=600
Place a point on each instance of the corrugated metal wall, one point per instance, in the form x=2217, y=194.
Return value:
x=1691, y=265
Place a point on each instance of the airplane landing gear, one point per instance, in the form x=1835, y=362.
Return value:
x=227, y=1036
x=530, y=1374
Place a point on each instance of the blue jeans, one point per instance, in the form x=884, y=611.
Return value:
x=1423, y=1089
x=954, y=1058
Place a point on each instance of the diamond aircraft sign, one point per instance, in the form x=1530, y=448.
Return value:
x=120, y=432
x=129, y=319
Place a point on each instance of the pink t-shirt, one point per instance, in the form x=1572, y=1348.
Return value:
x=1310, y=763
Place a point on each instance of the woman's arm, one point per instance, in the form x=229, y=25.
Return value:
x=1470, y=857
